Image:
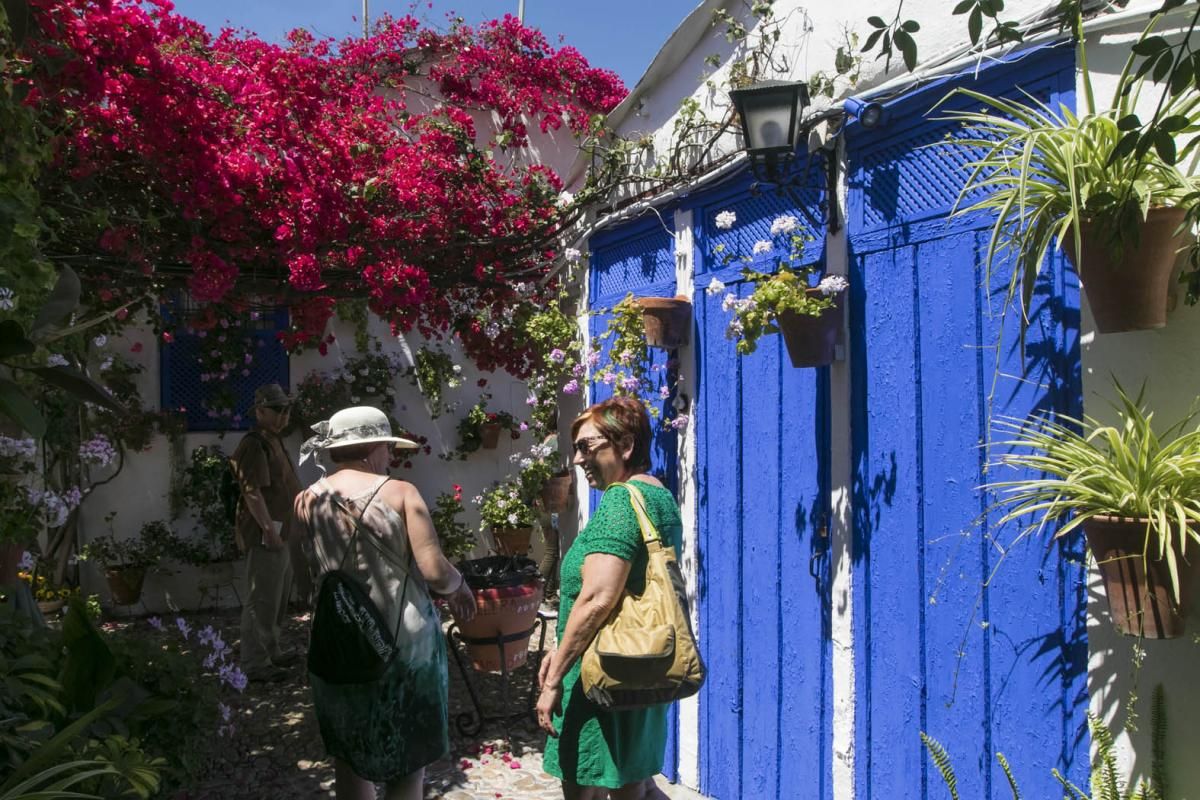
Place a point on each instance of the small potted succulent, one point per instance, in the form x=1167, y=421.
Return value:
x=504, y=510
x=125, y=561
x=792, y=298
x=1135, y=493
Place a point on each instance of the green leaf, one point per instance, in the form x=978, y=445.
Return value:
x=1174, y=123
x=1164, y=145
x=963, y=7
x=876, y=22
x=80, y=385
x=975, y=25
x=1129, y=122
x=911, y=26
x=90, y=666
x=17, y=406
x=871, y=40
x=63, y=300
x=1150, y=46
x=907, y=47
x=18, y=15
x=13, y=341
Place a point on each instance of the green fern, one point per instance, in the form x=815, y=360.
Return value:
x=1012, y=782
x=1157, y=790
x=941, y=760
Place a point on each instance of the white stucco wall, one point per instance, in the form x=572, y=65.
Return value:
x=1163, y=359
x=139, y=493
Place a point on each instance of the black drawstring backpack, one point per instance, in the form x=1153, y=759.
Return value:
x=350, y=641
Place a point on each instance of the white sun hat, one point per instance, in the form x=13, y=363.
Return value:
x=354, y=425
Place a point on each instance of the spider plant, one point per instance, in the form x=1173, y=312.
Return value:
x=1043, y=172
x=1087, y=469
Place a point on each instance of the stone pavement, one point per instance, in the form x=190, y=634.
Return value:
x=277, y=749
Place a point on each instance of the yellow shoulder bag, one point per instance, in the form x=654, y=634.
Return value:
x=645, y=653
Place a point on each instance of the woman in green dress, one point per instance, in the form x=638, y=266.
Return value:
x=599, y=753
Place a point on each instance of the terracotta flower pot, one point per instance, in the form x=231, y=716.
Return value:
x=812, y=341
x=556, y=494
x=1128, y=291
x=501, y=612
x=512, y=541
x=1139, y=592
x=489, y=435
x=667, y=321
x=125, y=584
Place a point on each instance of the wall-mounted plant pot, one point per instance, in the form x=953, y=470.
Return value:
x=667, y=321
x=512, y=541
x=489, y=435
x=1128, y=291
x=125, y=584
x=507, y=593
x=556, y=494
x=812, y=341
x=1139, y=592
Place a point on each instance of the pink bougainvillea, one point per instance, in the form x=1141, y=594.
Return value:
x=309, y=171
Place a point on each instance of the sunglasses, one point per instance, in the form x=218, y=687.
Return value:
x=584, y=447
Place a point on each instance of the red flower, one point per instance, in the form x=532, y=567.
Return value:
x=136, y=348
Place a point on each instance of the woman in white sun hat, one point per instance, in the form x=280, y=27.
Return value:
x=388, y=730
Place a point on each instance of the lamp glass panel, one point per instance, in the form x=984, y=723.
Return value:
x=770, y=119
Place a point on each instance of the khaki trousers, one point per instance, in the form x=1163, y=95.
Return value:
x=268, y=587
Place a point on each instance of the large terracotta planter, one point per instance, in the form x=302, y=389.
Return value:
x=125, y=584
x=512, y=541
x=1139, y=592
x=812, y=341
x=556, y=494
x=489, y=435
x=1128, y=291
x=501, y=612
x=667, y=321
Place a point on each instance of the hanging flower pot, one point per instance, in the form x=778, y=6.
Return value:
x=1127, y=291
x=489, y=435
x=667, y=320
x=556, y=493
x=1139, y=592
x=508, y=591
x=812, y=341
x=125, y=584
x=512, y=541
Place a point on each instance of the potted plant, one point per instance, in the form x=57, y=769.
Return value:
x=506, y=513
x=481, y=428
x=792, y=298
x=1135, y=493
x=1054, y=178
x=197, y=491
x=508, y=591
x=125, y=561
x=666, y=321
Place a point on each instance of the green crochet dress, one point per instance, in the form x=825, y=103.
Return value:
x=597, y=747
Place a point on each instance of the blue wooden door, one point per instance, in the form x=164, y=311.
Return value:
x=762, y=456
x=640, y=259
x=982, y=668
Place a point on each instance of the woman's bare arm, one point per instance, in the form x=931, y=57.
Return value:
x=604, y=579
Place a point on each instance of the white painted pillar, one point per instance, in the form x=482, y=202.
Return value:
x=689, y=708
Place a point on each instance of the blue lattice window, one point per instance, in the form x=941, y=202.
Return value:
x=633, y=264
x=188, y=383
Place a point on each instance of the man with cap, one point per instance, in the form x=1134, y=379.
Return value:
x=269, y=487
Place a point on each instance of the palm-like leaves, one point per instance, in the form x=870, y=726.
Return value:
x=1088, y=468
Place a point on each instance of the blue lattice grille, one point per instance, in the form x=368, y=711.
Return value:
x=910, y=175
x=756, y=212
x=630, y=264
x=183, y=388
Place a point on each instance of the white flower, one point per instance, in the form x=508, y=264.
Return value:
x=526, y=463
x=26, y=563
x=762, y=246
x=100, y=340
x=832, y=284
x=56, y=360
x=572, y=255
x=745, y=305
x=8, y=300
x=714, y=288
x=785, y=224
x=565, y=198
x=514, y=458
x=106, y=363
x=457, y=369
x=734, y=331
x=728, y=302
x=725, y=220
x=492, y=330
x=512, y=518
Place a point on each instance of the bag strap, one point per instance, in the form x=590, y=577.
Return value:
x=650, y=534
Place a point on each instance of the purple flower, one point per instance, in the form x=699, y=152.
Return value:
x=524, y=426
x=609, y=378
x=184, y=628
x=593, y=359
x=232, y=676
x=557, y=356
x=680, y=422
x=225, y=710
x=572, y=387
x=664, y=392
x=156, y=623
x=630, y=384
x=577, y=370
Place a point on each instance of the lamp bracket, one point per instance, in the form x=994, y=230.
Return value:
x=787, y=180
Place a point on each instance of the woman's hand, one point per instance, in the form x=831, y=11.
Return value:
x=462, y=603
x=548, y=704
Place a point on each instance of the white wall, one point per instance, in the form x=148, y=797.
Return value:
x=1165, y=361
x=139, y=493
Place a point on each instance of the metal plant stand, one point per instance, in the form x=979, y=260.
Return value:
x=470, y=723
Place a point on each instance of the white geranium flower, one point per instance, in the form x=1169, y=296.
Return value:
x=725, y=220
x=832, y=284
x=572, y=255
x=762, y=246
x=8, y=300
x=56, y=360
x=727, y=302
x=100, y=340
x=785, y=224
x=565, y=198
x=714, y=288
